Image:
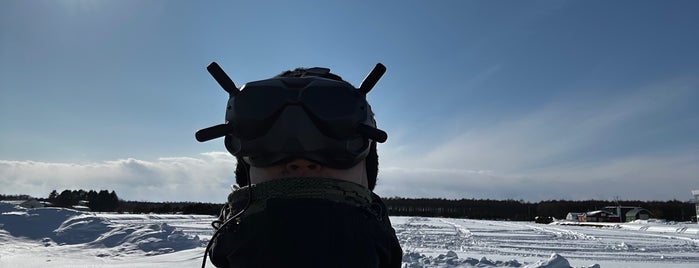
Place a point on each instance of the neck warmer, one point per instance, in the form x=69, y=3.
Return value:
x=335, y=190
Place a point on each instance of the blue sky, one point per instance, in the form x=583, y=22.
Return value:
x=529, y=100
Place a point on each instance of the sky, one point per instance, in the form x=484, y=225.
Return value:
x=523, y=100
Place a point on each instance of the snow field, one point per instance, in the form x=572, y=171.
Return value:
x=69, y=238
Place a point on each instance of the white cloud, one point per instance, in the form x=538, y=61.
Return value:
x=570, y=149
x=206, y=178
x=656, y=177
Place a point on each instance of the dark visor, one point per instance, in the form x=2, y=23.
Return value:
x=335, y=107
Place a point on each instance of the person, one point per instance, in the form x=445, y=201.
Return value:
x=307, y=164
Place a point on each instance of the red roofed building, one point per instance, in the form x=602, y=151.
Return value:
x=598, y=216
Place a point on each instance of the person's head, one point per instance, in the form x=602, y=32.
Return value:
x=306, y=122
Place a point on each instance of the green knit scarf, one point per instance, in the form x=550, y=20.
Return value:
x=292, y=188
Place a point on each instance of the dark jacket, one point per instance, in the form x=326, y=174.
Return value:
x=310, y=233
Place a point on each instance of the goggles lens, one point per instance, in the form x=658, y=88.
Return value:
x=335, y=111
x=255, y=110
x=259, y=103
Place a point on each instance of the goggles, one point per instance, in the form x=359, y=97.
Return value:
x=334, y=107
x=323, y=120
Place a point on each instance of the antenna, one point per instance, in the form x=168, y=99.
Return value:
x=222, y=78
x=227, y=84
x=373, y=133
x=372, y=78
x=214, y=132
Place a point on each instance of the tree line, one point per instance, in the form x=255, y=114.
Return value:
x=106, y=201
x=516, y=210
x=672, y=210
x=102, y=201
x=169, y=207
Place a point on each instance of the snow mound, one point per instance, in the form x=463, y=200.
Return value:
x=60, y=226
x=452, y=260
x=555, y=261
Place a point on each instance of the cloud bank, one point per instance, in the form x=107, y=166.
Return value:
x=206, y=178
x=632, y=178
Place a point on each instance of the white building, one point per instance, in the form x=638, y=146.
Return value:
x=573, y=216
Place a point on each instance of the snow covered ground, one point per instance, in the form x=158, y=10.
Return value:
x=67, y=238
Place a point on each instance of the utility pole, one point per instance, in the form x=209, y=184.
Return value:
x=618, y=208
x=696, y=202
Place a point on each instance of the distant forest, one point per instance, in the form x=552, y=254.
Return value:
x=673, y=210
x=108, y=201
